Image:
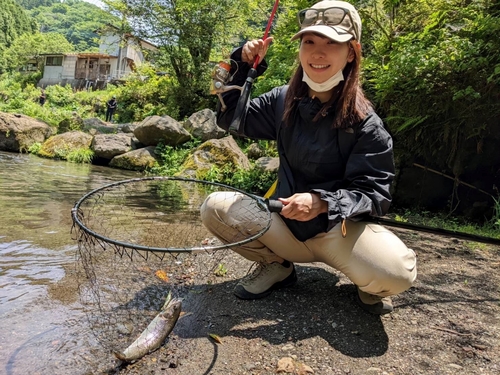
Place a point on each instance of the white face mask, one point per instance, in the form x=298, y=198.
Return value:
x=329, y=84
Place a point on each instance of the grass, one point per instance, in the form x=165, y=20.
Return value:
x=81, y=155
x=490, y=229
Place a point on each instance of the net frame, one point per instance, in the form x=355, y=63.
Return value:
x=120, y=246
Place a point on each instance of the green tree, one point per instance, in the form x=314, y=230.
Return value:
x=146, y=94
x=77, y=20
x=30, y=4
x=437, y=83
x=192, y=34
x=13, y=22
x=29, y=46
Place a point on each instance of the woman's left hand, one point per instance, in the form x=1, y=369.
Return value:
x=303, y=206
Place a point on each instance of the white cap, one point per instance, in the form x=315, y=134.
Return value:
x=349, y=28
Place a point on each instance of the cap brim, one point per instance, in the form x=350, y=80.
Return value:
x=334, y=33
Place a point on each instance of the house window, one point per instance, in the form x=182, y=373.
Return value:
x=29, y=67
x=53, y=61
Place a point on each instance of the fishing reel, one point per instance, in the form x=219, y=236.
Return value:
x=220, y=78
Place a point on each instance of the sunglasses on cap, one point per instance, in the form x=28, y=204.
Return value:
x=333, y=16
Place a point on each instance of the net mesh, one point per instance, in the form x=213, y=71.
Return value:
x=122, y=286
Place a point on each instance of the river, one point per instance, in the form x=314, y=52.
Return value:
x=42, y=330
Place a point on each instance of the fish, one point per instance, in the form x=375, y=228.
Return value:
x=155, y=333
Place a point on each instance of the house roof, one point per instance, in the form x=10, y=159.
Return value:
x=128, y=35
x=81, y=54
x=95, y=54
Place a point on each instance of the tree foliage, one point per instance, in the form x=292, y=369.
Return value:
x=13, y=22
x=437, y=83
x=146, y=94
x=282, y=55
x=192, y=34
x=77, y=20
x=32, y=46
x=30, y=4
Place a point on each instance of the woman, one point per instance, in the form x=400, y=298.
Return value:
x=336, y=168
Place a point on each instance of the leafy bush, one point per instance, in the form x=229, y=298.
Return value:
x=35, y=148
x=146, y=94
x=83, y=155
x=438, y=88
x=253, y=180
x=172, y=157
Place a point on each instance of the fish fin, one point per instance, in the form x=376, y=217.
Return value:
x=167, y=301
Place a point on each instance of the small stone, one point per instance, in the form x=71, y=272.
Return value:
x=250, y=367
x=305, y=369
x=285, y=366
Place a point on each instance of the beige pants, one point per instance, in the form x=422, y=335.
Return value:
x=371, y=256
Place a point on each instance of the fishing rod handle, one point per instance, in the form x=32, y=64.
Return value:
x=241, y=106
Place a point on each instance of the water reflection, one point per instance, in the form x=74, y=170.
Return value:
x=41, y=330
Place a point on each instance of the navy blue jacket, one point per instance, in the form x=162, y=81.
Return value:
x=355, y=183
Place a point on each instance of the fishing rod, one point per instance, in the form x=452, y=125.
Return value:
x=242, y=105
x=220, y=77
x=438, y=231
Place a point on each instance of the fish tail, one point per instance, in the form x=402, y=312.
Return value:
x=121, y=356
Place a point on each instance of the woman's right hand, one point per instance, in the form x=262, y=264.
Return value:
x=303, y=206
x=253, y=48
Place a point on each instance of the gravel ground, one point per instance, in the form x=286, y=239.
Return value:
x=448, y=323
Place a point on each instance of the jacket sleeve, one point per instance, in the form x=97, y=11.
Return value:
x=259, y=121
x=368, y=176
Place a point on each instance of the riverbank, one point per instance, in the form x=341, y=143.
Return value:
x=447, y=323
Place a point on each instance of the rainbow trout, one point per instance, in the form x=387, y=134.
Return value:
x=155, y=333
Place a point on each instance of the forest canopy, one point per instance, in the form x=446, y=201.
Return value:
x=77, y=20
x=14, y=22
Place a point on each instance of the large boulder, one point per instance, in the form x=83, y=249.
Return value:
x=18, y=132
x=203, y=125
x=255, y=151
x=74, y=122
x=267, y=164
x=108, y=146
x=156, y=129
x=215, y=152
x=95, y=125
x=59, y=146
x=137, y=160
x=127, y=128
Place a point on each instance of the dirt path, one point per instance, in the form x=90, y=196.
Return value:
x=448, y=323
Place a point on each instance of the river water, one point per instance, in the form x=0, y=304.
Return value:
x=42, y=329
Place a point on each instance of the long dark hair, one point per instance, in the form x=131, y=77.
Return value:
x=348, y=100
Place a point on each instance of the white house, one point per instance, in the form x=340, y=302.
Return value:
x=118, y=56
